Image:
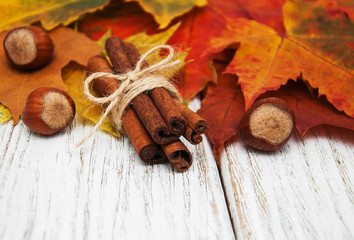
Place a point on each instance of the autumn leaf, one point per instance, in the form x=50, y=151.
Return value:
x=317, y=45
x=267, y=12
x=16, y=85
x=144, y=43
x=327, y=33
x=166, y=10
x=223, y=105
x=198, y=72
x=73, y=76
x=309, y=110
x=123, y=19
x=223, y=108
x=50, y=13
x=127, y=19
x=5, y=114
x=201, y=25
x=344, y=5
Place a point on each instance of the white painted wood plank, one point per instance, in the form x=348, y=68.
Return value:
x=51, y=190
x=303, y=191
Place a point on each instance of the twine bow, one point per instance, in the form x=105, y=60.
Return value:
x=132, y=83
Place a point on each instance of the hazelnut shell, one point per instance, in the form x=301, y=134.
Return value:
x=32, y=112
x=44, y=48
x=258, y=143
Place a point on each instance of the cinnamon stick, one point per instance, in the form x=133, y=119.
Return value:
x=133, y=54
x=164, y=103
x=194, y=121
x=176, y=152
x=142, y=104
x=179, y=155
x=161, y=98
x=105, y=86
x=192, y=136
x=147, y=150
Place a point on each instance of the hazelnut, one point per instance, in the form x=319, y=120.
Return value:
x=267, y=125
x=28, y=47
x=48, y=110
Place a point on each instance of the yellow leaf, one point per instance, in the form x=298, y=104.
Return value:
x=5, y=114
x=74, y=75
x=144, y=43
x=103, y=39
x=51, y=13
x=165, y=10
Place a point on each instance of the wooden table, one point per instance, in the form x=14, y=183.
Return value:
x=49, y=189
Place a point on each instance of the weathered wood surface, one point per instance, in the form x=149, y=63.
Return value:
x=49, y=189
x=303, y=191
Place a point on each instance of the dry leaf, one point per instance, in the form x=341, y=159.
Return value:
x=144, y=43
x=16, y=85
x=318, y=45
x=268, y=12
x=123, y=19
x=166, y=10
x=310, y=110
x=50, y=13
x=198, y=72
x=74, y=75
x=223, y=107
x=199, y=26
x=5, y=114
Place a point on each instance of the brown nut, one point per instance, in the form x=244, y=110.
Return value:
x=267, y=125
x=48, y=110
x=28, y=47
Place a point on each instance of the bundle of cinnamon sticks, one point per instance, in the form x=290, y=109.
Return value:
x=154, y=121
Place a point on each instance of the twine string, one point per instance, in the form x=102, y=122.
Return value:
x=131, y=84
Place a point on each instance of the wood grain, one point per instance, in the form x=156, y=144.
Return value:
x=303, y=191
x=51, y=190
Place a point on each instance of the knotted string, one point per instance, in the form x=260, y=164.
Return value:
x=131, y=84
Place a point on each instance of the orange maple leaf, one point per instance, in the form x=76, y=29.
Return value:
x=317, y=45
x=16, y=85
